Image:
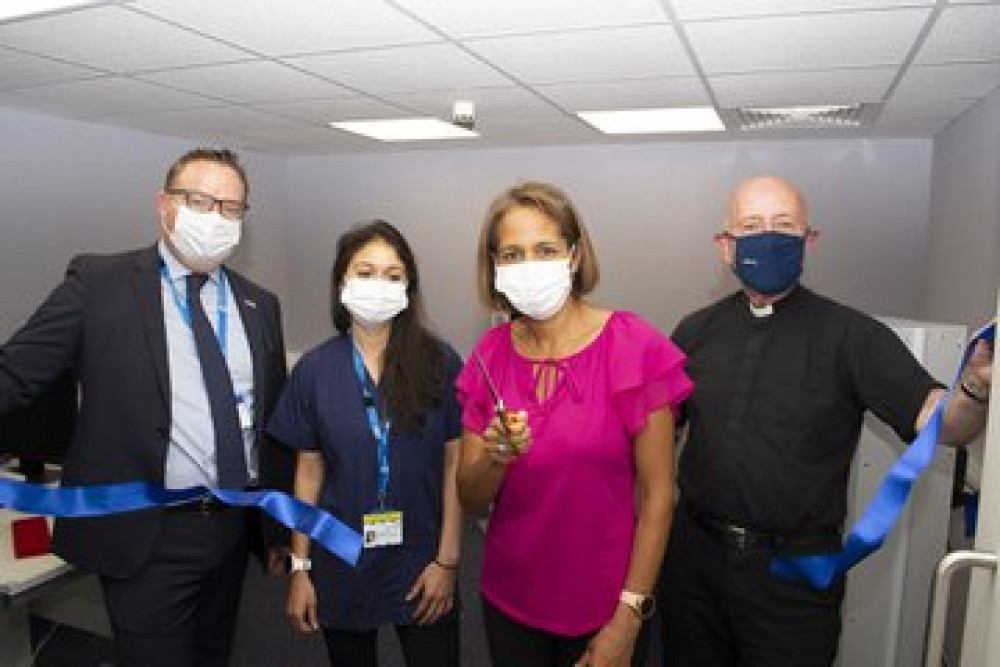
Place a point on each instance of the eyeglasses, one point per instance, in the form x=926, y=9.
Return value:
x=807, y=233
x=200, y=202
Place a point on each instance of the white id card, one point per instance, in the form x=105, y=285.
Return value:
x=383, y=529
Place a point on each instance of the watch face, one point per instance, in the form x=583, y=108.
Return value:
x=295, y=564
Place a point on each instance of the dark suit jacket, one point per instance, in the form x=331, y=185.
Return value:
x=106, y=322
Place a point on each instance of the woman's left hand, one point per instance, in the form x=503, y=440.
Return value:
x=435, y=588
x=612, y=646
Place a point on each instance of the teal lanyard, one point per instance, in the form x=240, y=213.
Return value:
x=379, y=428
x=221, y=311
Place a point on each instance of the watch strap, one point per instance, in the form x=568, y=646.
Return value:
x=643, y=606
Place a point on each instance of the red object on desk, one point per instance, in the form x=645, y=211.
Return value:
x=31, y=537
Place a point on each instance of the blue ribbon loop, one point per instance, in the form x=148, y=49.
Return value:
x=333, y=534
x=882, y=512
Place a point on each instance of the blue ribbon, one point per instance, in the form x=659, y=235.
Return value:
x=870, y=531
x=334, y=535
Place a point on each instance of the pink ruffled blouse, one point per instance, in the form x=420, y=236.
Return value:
x=560, y=534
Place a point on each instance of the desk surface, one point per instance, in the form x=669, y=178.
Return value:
x=18, y=575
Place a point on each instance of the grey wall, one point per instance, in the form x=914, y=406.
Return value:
x=963, y=262
x=68, y=187
x=71, y=187
x=652, y=211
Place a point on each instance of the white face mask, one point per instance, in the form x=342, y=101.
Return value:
x=204, y=240
x=373, y=302
x=536, y=289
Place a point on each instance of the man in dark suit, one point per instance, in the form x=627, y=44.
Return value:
x=180, y=361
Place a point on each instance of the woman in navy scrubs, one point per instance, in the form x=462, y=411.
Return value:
x=373, y=416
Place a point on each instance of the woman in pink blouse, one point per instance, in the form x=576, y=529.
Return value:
x=579, y=470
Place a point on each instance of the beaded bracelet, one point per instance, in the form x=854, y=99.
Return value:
x=443, y=566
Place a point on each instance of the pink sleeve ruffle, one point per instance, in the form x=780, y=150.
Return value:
x=649, y=373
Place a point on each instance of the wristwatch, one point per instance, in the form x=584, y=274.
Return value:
x=641, y=605
x=295, y=564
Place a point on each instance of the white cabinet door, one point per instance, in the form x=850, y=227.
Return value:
x=981, y=642
x=981, y=638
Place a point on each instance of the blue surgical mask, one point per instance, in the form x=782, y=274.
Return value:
x=769, y=263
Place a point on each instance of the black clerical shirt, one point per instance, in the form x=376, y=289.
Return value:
x=778, y=405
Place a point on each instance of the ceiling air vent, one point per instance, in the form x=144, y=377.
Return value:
x=809, y=117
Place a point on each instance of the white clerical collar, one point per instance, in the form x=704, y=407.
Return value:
x=760, y=311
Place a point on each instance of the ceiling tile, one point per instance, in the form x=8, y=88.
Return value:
x=321, y=112
x=404, y=69
x=257, y=81
x=484, y=18
x=197, y=69
x=963, y=34
x=549, y=129
x=22, y=69
x=675, y=91
x=116, y=40
x=713, y=9
x=295, y=27
x=210, y=120
x=304, y=141
x=111, y=95
x=813, y=42
x=490, y=103
x=770, y=89
x=943, y=82
x=632, y=53
x=925, y=116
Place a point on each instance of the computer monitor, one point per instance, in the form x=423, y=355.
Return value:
x=40, y=432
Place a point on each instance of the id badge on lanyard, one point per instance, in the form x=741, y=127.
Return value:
x=382, y=527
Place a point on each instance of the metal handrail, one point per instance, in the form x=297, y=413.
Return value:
x=953, y=562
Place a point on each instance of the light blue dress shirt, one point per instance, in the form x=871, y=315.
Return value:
x=191, y=452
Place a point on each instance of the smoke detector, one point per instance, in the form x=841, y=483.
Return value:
x=463, y=114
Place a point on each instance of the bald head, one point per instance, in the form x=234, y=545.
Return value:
x=767, y=203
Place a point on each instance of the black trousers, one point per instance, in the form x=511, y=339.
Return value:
x=434, y=645
x=721, y=607
x=180, y=609
x=514, y=644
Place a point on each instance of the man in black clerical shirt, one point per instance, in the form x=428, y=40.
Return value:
x=783, y=377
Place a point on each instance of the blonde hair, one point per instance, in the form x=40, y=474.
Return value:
x=551, y=202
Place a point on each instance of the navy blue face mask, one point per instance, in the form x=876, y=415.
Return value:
x=769, y=263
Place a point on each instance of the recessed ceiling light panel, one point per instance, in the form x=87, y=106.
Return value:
x=12, y=10
x=405, y=129
x=654, y=121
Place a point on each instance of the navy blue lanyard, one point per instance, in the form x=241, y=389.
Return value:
x=221, y=311
x=379, y=428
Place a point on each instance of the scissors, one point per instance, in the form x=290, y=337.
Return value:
x=499, y=406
